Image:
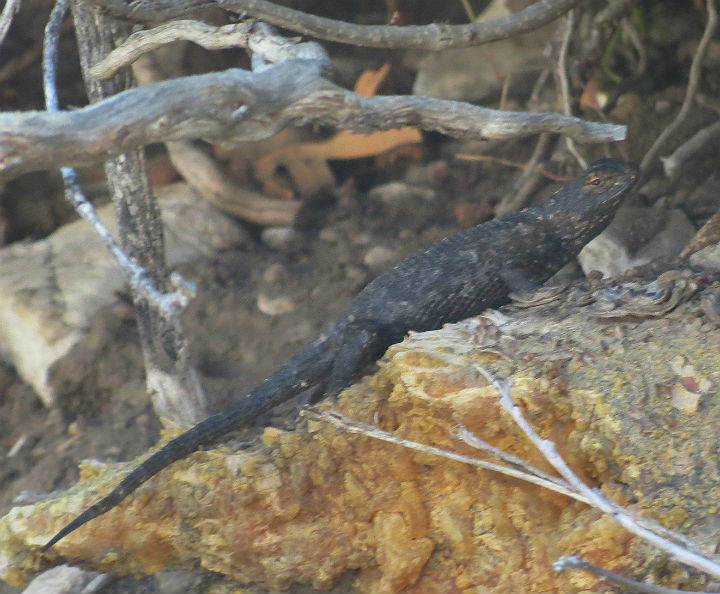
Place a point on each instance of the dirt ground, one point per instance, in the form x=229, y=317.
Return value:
x=334, y=255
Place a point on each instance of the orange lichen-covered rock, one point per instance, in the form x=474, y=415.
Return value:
x=310, y=504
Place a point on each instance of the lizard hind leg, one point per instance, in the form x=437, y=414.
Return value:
x=354, y=354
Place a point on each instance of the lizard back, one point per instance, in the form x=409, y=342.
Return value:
x=452, y=279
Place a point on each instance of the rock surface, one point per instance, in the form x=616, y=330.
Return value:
x=51, y=289
x=309, y=504
x=637, y=236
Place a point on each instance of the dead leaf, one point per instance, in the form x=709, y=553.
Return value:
x=306, y=163
x=593, y=96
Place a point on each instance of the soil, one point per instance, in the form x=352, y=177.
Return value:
x=235, y=344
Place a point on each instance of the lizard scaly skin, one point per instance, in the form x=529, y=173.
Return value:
x=452, y=279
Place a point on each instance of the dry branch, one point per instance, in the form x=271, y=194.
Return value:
x=203, y=174
x=171, y=381
x=256, y=36
x=8, y=12
x=673, y=164
x=693, y=81
x=428, y=37
x=249, y=106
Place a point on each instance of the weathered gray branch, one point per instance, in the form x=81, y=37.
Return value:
x=435, y=36
x=258, y=37
x=241, y=105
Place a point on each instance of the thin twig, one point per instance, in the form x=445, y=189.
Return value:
x=200, y=171
x=468, y=10
x=10, y=9
x=169, y=303
x=693, y=80
x=674, y=163
x=98, y=583
x=564, y=85
x=524, y=185
x=462, y=433
x=524, y=166
x=435, y=36
x=547, y=447
x=352, y=426
x=250, y=34
x=634, y=38
x=565, y=563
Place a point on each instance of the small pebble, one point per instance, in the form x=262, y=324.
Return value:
x=274, y=273
x=708, y=258
x=284, y=239
x=275, y=306
x=398, y=191
x=379, y=257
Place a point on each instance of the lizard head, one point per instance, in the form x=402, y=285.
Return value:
x=606, y=180
x=585, y=206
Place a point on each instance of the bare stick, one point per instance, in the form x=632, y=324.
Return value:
x=172, y=382
x=693, y=80
x=674, y=163
x=250, y=106
x=472, y=440
x=547, y=447
x=524, y=185
x=200, y=170
x=428, y=37
x=565, y=87
x=137, y=276
x=203, y=174
x=352, y=426
x=142, y=42
x=524, y=166
x=251, y=34
x=9, y=11
x=169, y=389
x=565, y=563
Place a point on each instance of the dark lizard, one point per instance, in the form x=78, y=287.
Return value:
x=452, y=279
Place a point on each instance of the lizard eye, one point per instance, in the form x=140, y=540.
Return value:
x=595, y=181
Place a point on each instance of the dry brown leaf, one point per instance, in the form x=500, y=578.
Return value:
x=593, y=97
x=306, y=162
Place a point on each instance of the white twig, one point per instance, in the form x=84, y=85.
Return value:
x=9, y=11
x=17, y=446
x=170, y=304
x=693, y=81
x=565, y=563
x=258, y=37
x=472, y=440
x=547, y=447
x=353, y=426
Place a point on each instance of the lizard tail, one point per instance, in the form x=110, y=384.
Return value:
x=304, y=370
x=204, y=432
